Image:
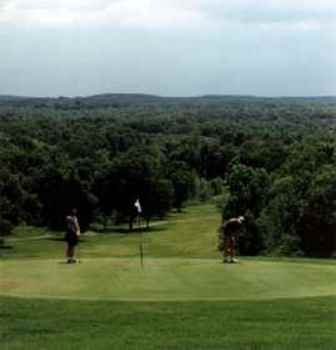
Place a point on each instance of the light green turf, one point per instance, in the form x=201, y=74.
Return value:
x=184, y=298
x=166, y=279
x=192, y=233
x=181, y=263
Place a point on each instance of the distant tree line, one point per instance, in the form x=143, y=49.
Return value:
x=274, y=157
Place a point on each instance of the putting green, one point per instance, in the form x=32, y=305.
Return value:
x=164, y=279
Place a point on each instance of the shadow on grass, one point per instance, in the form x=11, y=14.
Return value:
x=127, y=231
x=61, y=239
x=55, y=239
x=64, y=262
x=6, y=247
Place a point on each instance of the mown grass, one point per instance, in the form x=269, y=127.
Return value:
x=184, y=298
x=306, y=324
x=188, y=234
x=164, y=279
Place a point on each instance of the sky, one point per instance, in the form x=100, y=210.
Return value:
x=168, y=47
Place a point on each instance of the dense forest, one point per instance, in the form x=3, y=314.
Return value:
x=270, y=159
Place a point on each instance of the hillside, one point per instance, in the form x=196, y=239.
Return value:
x=122, y=100
x=99, y=153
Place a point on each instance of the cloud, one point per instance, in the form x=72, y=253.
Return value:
x=275, y=15
x=197, y=14
x=265, y=11
x=49, y=5
x=124, y=13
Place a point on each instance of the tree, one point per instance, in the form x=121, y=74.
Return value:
x=249, y=190
x=157, y=199
x=277, y=223
x=317, y=226
x=183, y=183
x=136, y=175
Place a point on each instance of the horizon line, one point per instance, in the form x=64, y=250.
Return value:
x=162, y=96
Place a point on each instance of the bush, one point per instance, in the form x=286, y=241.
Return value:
x=6, y=227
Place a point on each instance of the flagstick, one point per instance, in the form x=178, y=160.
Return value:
x=141, y=243
x=139, y=210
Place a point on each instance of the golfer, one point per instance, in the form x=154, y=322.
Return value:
x=72, y=235
x=228, y=235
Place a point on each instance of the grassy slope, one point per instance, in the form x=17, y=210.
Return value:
x=190, y=234
x=111, y=271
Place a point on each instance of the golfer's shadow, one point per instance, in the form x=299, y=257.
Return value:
x=64, y=262
x=61, y=239
x=135, y=230
x=6, y=247
x=56, y=239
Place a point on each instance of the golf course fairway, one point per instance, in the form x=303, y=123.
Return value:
x=184, y=297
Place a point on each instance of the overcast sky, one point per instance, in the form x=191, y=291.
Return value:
x=168, y=47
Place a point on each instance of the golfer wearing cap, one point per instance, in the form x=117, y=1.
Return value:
x=228, y=235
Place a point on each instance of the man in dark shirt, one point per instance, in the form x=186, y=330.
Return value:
x=72, y=235
x=228, y=235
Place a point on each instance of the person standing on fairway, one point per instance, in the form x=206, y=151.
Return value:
x=228, y=235
x=72, y=235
